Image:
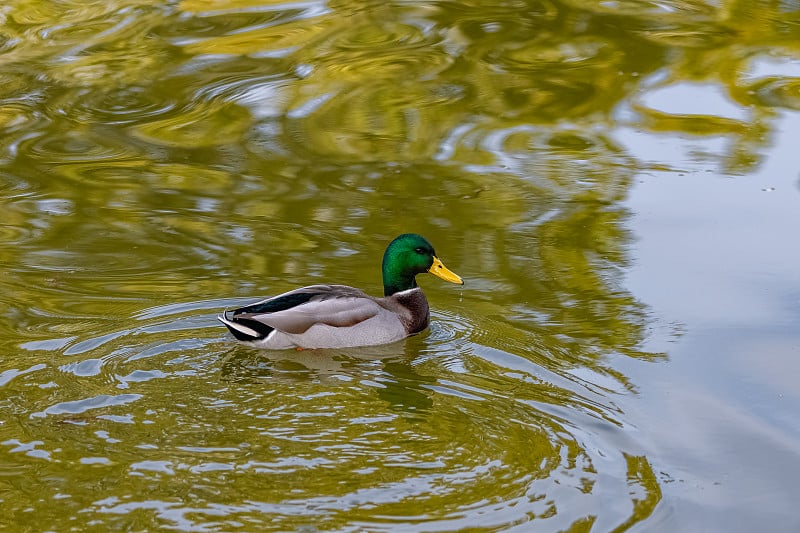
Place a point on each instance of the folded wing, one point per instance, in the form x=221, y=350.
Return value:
x=296, y=311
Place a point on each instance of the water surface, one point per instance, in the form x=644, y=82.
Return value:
x=616, y=182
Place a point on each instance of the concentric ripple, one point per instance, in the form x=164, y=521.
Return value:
x=76, y=147
x=352, y=54
x=204, y=125
x=126, y=105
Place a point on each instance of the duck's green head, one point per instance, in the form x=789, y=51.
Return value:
x=405, y=257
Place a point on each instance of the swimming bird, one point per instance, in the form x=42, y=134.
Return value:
x=339, y=316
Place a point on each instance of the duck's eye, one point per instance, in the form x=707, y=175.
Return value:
x=419, y=250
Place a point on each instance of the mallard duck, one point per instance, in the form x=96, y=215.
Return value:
x=338, y=316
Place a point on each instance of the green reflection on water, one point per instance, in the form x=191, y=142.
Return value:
x=158, y=158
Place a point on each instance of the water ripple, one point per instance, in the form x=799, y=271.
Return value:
x=81, y=406
x=76, y=147
x=124, y=105
x=426, y=421
x=202, y=126
x=778, y=92
x=19, y=115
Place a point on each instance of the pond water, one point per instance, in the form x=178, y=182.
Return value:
x=617, y=183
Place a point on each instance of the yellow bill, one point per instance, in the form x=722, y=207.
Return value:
x=439, y=270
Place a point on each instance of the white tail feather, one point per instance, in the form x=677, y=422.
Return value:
x=239, y=327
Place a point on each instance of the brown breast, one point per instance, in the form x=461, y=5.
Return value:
x=418, y=314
